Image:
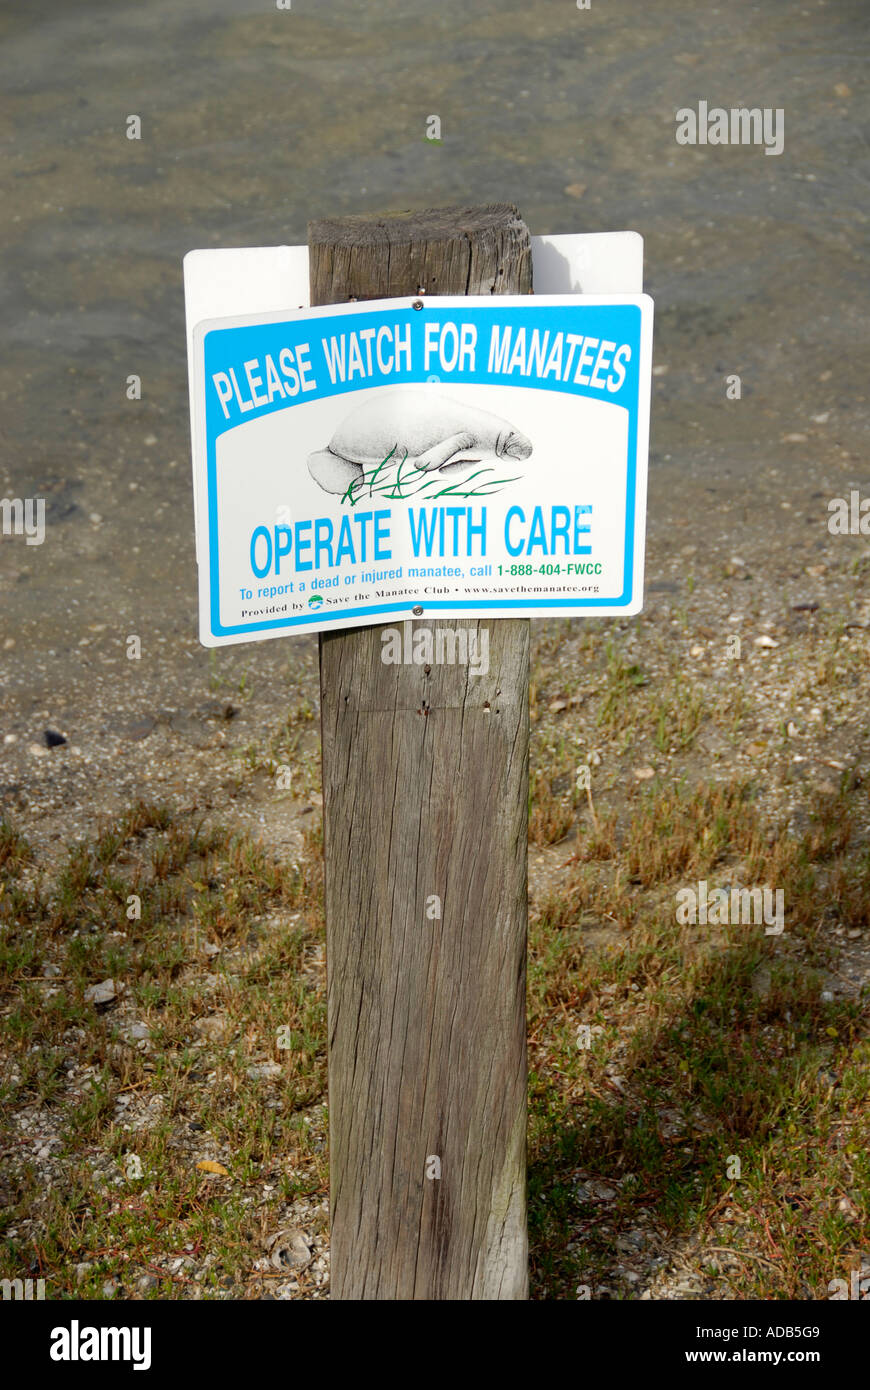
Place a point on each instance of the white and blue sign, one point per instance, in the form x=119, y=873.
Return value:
x=463, y=457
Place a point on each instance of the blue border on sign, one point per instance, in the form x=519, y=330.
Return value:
x=620, y=323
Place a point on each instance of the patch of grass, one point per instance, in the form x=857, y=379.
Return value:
x=618, y=703
x=673, y=832
x=712, y=1051
x=708, y=1044
x=128, y=1121
x=292, y=753
x=597, y=839
x=15, y=850
x=551, y=813
x=677, y=715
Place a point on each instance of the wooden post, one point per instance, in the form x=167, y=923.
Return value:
x=425, y=797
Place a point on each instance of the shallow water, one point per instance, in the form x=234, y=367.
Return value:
x=255, y=120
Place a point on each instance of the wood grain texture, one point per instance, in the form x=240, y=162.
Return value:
x=482, y=250
x=425, y=788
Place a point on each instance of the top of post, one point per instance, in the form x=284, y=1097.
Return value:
x=453, y=250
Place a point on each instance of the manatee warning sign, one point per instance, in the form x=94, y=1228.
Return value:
x=464, y=457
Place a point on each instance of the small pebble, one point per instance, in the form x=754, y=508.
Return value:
x=263, y=1070
x=102, y=993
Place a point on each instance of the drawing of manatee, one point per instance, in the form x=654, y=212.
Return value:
x=432, y=431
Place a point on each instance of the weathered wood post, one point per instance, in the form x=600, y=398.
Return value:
x=425, y=791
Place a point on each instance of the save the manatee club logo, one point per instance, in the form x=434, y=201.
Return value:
x=315, y=601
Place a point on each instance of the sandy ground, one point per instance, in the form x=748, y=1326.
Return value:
x=254, y=121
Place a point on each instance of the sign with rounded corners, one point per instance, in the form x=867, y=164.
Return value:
x=448, y=457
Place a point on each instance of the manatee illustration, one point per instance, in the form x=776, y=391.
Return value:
x=433, y=431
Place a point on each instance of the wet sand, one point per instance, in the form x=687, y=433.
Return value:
x=254, y=120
